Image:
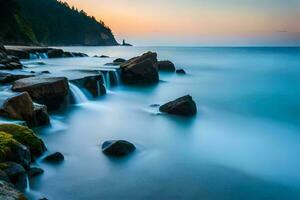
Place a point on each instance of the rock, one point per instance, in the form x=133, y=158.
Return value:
x=180, y=71
x=68, y=55
x=8, y=192
x=117, y=148
x=49, y=91
x=54, y=158
x=104, y=56
x=26, y=137
x=35, y=171
x=119, y=60
x=12, y=150
x=55, y=53
x=140, y=70
x=8, y=78
x=45, y=72
x=3, y=176
x=40, y=115
x=184, y=106
x=166, y=65
x=20, y=107
x=16, y=174
x=8, y=62
x=77, y=54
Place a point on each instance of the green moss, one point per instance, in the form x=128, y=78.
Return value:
x=25, y=136
x=7, y=143
x=3, y=166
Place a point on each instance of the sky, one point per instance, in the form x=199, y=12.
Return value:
x=199, y=22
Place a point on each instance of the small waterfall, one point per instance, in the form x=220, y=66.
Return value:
x=38, y=56
x=107, y=80
x=79, y=96
x=42, y=55
x=27, y=189
x=33, y=56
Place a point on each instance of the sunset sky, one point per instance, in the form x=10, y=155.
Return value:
x=199, y=22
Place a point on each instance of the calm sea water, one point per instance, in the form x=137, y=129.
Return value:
x=243, y=144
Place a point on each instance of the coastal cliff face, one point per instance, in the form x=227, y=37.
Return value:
x=50, y=22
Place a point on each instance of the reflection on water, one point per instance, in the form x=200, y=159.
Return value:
x=243, y=144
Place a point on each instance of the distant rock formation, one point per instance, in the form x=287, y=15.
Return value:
x=33, y=22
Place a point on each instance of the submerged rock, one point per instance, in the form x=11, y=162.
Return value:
x=35, y=171
x=166, y=65
x=49, y=91
x=8, y=192
x=140, y=70
x=117, y=148
x=180, y=71
x=16, y=174
x=26, y=137
x=184, y=106
x=54, y=158
x=20, y=106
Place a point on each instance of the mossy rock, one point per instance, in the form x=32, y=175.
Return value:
x=25, y=136
x=7, y=144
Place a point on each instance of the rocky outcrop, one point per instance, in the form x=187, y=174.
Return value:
x=184, y=106
x=54, y=158
x=16, y=174
x=180, y=71
x=55, y=53
x=166, y=65
x=117, y=148
x=140, y=70
x=8, y=192
x=8, y=62
x=26, y=137
x=12, y=150
x=49, y=91
x=9, y=77
x=20, y=107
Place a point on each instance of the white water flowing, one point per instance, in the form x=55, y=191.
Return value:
x=79, y=96
x=27, y=189
x=38, y=56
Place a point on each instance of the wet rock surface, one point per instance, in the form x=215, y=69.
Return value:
x=166, y=65
x=49, y=91
x=117, y=148
x=54, y=158
x=184, y=106
x=141, y=70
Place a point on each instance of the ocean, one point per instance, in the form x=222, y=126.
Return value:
x=243, y=143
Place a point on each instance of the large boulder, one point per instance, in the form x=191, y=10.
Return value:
x=20, y=106
x=140, y=70
x=25, y=136
x=117, y=148
x=49, y=91
x=8, y=192
x=12, y=150
x=17, y=174
x=166, y=65
x=184, y=106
